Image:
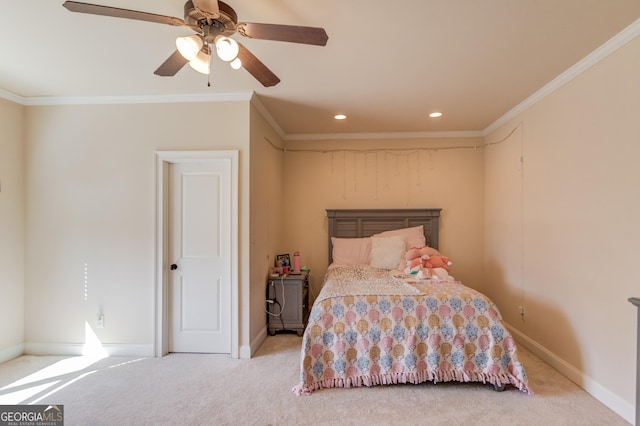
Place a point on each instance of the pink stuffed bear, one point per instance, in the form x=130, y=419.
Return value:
x=415, y=252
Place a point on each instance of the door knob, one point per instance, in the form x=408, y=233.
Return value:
x=173, y=267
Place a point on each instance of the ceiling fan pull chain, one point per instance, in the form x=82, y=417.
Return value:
x=209, y=75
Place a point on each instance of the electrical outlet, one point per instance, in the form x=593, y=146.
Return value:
x=521, y=310
x=100, y=321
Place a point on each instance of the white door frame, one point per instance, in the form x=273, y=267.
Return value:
x=161, y=314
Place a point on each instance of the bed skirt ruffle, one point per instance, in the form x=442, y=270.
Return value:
x=411, y=378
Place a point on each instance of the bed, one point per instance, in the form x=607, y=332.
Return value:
x=375, y=324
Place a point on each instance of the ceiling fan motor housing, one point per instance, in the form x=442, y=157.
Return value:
x=225, y=24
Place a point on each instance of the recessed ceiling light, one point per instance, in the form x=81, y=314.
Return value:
x=340, y=116
x=435, y=114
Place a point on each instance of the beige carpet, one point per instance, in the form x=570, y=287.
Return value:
x=192, y=389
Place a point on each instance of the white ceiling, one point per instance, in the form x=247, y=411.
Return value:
x=386, y=65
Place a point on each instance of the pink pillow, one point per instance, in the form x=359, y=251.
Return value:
x=413, y=237
x=351, y=251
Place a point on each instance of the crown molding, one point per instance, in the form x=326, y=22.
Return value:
x=12, y=97
x=226, y=97
x=255, y=101
x=613, y=44
x=107, y=100
x=393, y=135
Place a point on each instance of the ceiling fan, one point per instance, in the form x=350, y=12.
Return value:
x=214, y=22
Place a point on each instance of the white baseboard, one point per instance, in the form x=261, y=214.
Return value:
x=247, y=352
x=619, y=405
x=129, y=350
x=77, y=349
x=7, y=354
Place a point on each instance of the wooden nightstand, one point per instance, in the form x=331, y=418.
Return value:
x=287, y=300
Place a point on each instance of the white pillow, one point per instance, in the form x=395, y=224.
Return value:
x=387, y=252
x=413, y=237
x=350, y=251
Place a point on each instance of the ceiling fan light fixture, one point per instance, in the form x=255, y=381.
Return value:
x=227, y=48
x=189, y=47
x=201, y=63
x=236, y=64
x=213, y=21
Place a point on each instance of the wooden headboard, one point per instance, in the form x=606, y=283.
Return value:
x=358, y=223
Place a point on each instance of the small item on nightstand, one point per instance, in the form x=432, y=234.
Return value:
x=296, y=262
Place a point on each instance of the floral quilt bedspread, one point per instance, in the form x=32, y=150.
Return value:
x=369, y=328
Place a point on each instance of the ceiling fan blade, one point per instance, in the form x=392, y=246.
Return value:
x=290, y=33
x=172, y=65
x=96, y=9
x=209, y=7
x=256, y=68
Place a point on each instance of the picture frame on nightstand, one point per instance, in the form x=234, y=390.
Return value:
x=285, y=258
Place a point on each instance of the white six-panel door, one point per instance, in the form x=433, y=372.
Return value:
x=200, y=249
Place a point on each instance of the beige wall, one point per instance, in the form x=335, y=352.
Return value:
x=90, y=189
x=409, y=173
x=11, y=230
x=266, y=210
x=562, y=235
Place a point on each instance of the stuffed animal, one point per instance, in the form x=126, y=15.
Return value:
x=441, y=274
x=437, y=261
x=426, y=263
x=415, y=252
x=411, y=267
x=412, y=253
x=424, y=274
x=413, y=259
